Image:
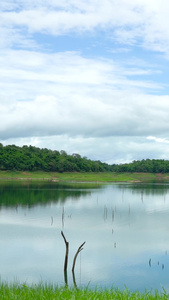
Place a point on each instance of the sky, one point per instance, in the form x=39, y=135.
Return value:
x=86, y=76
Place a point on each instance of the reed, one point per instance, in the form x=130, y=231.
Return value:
x=40, y=291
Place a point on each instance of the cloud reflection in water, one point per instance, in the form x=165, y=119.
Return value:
x=124, y=226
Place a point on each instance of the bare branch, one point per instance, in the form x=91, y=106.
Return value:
x=64, y=237
x=67, y=252
x=78, y=251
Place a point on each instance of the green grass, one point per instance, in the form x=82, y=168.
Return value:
x=85, y=177
x=23, y=292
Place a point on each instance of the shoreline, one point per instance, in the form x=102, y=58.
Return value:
x=99, y=177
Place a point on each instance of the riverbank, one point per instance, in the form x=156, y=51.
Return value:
x=10, y=292
x=85, y=177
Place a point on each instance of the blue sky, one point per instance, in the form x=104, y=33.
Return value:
x=88, y=77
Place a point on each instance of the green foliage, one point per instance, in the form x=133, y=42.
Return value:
x=145, y=166
x=29, y=158
x=37, y=292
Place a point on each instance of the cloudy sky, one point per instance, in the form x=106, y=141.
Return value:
x=86, y=76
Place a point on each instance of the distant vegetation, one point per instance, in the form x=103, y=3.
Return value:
x=145, y=166
x=30, y=158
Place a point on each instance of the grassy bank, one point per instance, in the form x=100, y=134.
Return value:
x=22, y=292
x=84, y=177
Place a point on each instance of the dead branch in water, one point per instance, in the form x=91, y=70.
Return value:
x=74, y=280
x=78, y=251
x=63, y=216
x=67, y=252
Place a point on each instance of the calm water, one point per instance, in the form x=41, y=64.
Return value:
x=125, y=226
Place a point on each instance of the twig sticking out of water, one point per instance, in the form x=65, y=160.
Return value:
x=74, y=280
x=63, y=215
x=78, y=251
x=112, y=214
x=105, y=212
x=67, y=251
x=150, y=262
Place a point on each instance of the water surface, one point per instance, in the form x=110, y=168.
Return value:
x=125, y=226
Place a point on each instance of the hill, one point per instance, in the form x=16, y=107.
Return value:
x=30, y=158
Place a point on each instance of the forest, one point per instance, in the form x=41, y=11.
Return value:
x=30, y=158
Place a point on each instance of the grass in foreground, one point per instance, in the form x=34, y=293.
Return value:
x=23, y=292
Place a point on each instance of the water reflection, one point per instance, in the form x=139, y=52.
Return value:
x=125, y=226
x=33, y=193
x=148, y=188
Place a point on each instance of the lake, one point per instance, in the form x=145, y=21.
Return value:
x=125, y=227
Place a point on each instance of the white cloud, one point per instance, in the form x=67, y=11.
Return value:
x=158, y=140
x=85, y=100
x=47, y=96
x=144, y=22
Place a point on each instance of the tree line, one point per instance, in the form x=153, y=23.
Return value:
x=30, y=158
x=145, y=166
